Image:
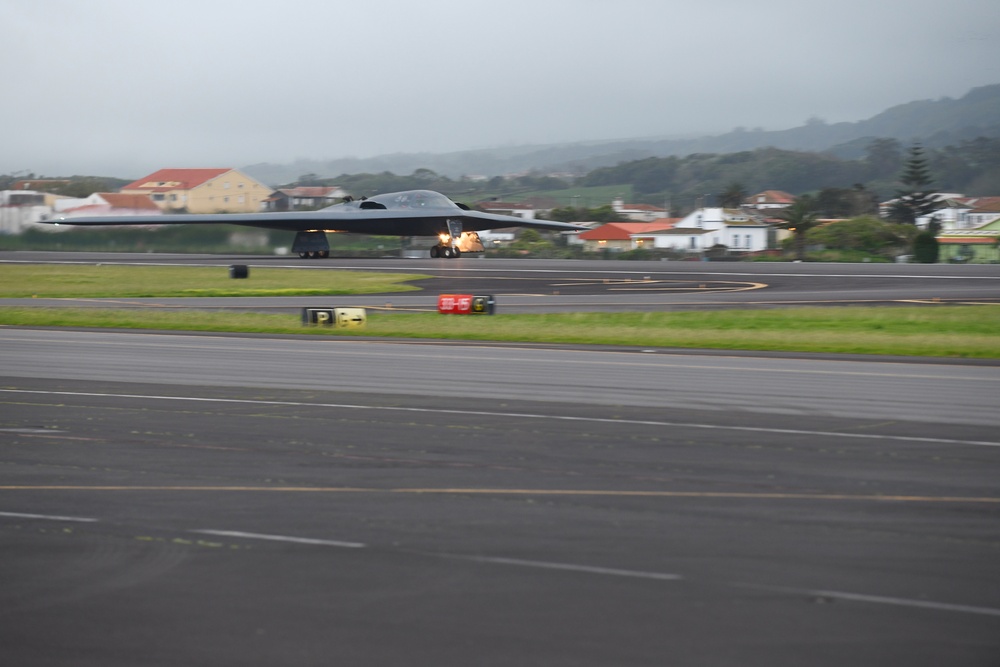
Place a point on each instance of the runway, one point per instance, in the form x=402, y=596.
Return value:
x=253, y=500
x=531, y=286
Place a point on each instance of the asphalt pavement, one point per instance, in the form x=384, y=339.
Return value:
x=180, y=499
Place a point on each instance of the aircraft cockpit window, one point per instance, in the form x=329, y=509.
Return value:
x=416, y=200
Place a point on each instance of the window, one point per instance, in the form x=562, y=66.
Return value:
x=736, y=241
x=749, y=243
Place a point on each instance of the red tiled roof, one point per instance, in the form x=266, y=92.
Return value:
x=38, y=183
x=137, y=202
x=967, y=240
x=175, y=179
x=773, y=197
x=622, y=231
x=985, y=205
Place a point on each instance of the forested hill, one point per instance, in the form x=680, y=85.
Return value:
x=935, y=123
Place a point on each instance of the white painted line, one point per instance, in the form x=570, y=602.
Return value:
x=587, y=569
x=30, y=431
x=880, y=599
x=281, y=538
x=523, y=415
x=47, y=517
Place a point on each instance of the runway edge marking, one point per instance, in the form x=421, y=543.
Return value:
x=516, y=415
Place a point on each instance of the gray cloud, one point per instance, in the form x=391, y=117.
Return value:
x=115, y=87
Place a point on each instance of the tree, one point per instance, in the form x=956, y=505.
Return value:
x=884, y=158
x=846, y=202
x=925, y=248
x=734, y=195
x=866, y=234
x=916, y=198
x=799, y=218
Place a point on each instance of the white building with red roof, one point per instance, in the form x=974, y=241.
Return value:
x=106, y=203
x=520, y=210
x=619, y=236
x=202, y=190
x=708, y=227
x=638, y=212
x=960, y=212
x=770, y=199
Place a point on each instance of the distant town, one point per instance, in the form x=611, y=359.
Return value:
x=745, y=226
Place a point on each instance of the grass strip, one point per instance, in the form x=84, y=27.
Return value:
x=939, y=331
x=117, y=281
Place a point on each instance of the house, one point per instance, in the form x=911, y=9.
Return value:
x=201, y=190
x=106, y=203
x=22, y=209
x=769, y=199
x=40, y=184
x=885, y=209
x=526, y=211
x=975, y=246
x=983, y=211
x=637, y=212
x=620, y=236
x=305, y=197
x=707, y=227
x=959, y=212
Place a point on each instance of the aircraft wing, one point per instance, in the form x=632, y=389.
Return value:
x=393, y=222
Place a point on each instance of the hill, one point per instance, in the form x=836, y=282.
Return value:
x=935, y=123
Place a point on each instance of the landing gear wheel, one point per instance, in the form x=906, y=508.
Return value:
x=435, y=251
x=323, y=254
x=447, y=252
x=455, y=252
x=303, y=255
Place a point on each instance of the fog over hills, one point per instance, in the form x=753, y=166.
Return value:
x=932, y=122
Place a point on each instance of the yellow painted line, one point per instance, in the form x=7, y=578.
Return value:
x=524, y=492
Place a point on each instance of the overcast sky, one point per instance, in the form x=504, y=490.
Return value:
x=122, y=88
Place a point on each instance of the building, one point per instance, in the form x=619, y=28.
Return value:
x=40, y=184
x=637, y=212
x=526, y=211
x=107, y=203
x=708, y=227
x=957, y=211
x=304, y=198
x=202, y=191
x=621, y=236
x=973, y=246
x=22, y=209
x=769, y=199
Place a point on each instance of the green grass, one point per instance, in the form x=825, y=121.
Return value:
x=945, y=331
x=941, y=331
x=116, y=281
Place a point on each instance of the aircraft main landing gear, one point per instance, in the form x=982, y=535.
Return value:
x=445, y=251
x=314, y=254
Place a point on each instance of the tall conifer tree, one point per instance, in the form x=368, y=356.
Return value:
x=915, y=198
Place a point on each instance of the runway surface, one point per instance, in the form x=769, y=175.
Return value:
x=249, y=500
x=522, y=286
